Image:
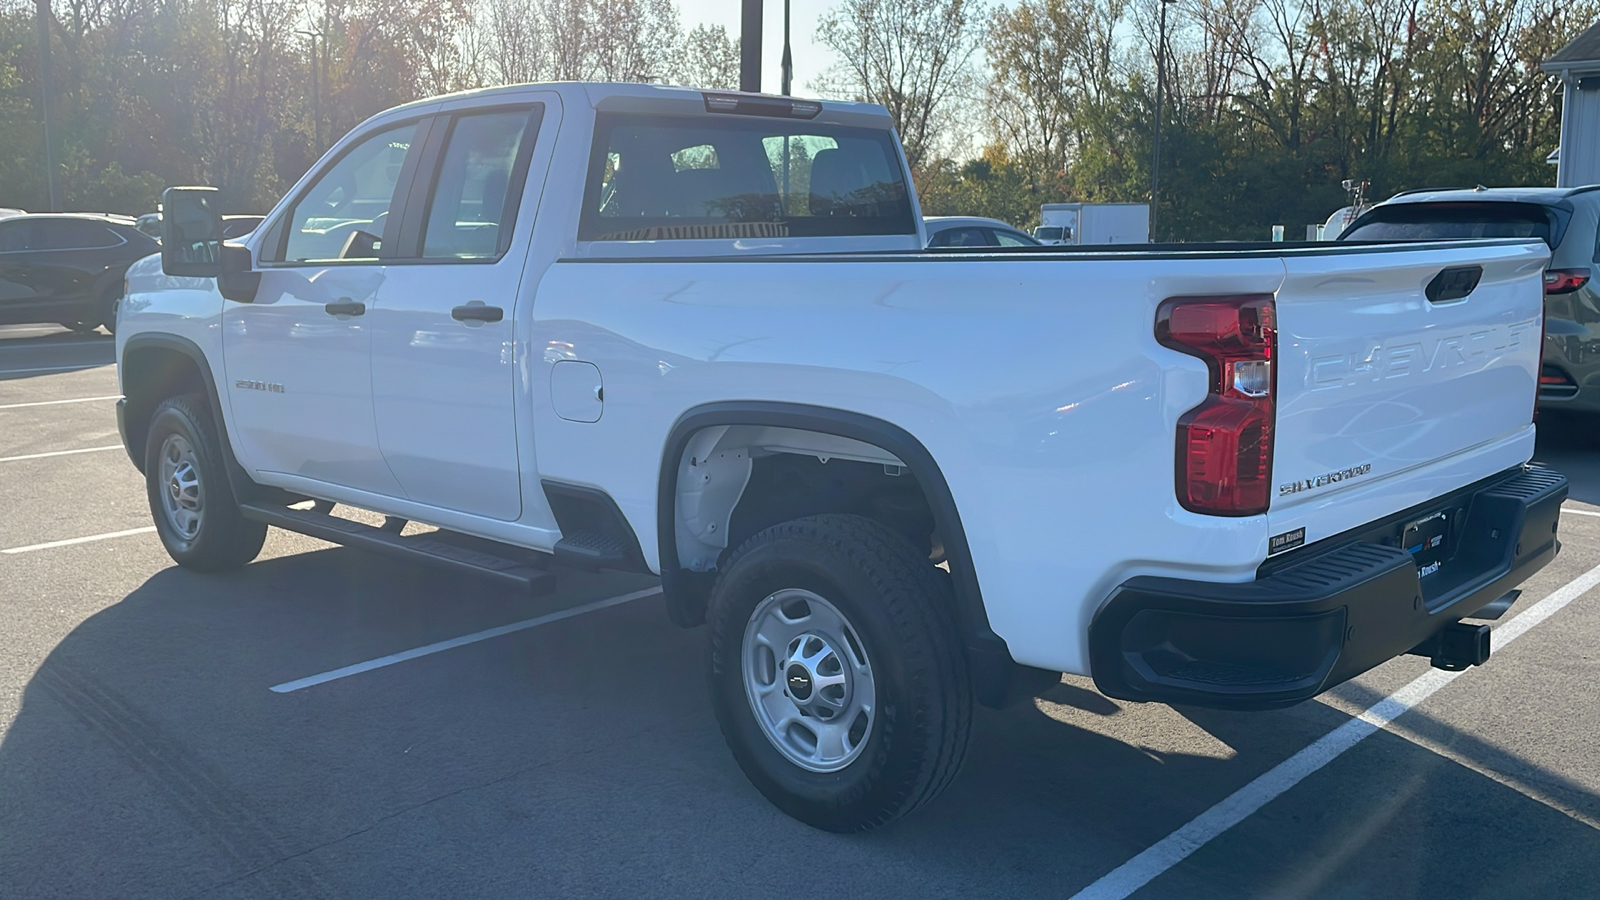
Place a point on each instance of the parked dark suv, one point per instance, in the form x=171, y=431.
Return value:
x=1568, y=219
x=66, y=268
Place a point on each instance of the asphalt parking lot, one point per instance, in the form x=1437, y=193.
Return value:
x=146, y=753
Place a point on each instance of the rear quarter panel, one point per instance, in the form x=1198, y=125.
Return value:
x=1034, y=381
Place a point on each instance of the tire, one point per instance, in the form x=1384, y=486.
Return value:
x=191, y=501
x=108, y=309
x=888, y=620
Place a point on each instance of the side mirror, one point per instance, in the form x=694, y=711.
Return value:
x=238, y=281
x=191, y=232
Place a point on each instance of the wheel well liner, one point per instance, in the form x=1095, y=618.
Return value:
x=157, y=366
x=990, y=659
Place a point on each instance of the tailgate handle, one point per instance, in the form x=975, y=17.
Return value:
x=1454, y=283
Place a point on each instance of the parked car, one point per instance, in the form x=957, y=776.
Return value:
x=974, y=231
x=598, y=329
x=66, y=268
x=233, y=227
x=1567, y=219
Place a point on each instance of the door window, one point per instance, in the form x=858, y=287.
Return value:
x=1008, y=239
x=478, y=189
x=13, y=237
x=959, y=237
x=71, y=234
x=342, y=215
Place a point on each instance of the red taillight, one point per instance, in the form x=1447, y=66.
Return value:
x=1564, y=281
x=1224, y=464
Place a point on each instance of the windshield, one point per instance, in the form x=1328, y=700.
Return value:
x=1456, y=221
x=1047, y=233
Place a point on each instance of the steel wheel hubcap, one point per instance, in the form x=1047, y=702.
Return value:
x=808, y=680
x=182, y=497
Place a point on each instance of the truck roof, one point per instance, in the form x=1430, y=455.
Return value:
x=665, y=99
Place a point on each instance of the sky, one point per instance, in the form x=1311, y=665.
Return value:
x=810, y=59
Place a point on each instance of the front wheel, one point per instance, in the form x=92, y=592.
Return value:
x=191, y=500
x=837, y=672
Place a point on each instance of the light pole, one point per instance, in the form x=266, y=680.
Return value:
x=52, y=187
x=1161, y=79
x=316, y=101
x=750, y=46
x=788, y=61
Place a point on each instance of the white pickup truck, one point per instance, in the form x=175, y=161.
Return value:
x=696, y=334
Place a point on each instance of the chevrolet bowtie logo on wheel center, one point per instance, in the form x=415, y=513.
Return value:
x=799, y=683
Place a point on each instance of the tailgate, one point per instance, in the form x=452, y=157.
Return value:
x=1376, y=379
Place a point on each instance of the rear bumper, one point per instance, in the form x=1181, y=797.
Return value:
x=1327, y=612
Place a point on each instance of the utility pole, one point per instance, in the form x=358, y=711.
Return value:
x=788, y=61
x=52, y=187
x=750, y=46
x=316, y=95
x=1161, y=80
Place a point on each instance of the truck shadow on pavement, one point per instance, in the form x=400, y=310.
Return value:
x=1570, y=444
x=150, y=759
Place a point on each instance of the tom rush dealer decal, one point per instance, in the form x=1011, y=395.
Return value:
x=1286, y=541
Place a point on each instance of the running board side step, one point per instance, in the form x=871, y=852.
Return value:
x=426, y=548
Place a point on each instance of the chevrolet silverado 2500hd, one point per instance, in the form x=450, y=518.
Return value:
x=697, y=334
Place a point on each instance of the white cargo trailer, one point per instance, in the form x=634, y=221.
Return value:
x=1094, y=223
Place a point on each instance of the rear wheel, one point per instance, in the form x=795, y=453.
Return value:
x=837, y=672
x=102, y=314
x=108, y=309
x=192, y=502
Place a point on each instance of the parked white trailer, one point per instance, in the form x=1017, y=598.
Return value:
x=1094, y=223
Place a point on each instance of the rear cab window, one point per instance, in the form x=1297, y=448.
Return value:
x=1458, y=221
x=664, y=178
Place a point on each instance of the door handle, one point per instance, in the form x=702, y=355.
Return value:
x=477, y=312
x=346, y=307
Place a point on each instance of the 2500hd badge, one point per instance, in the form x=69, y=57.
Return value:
x=1327, y=478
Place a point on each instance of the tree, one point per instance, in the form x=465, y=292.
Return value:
x=912, y=56
x=516, y=48
x=707, y=58
x=1050, y=60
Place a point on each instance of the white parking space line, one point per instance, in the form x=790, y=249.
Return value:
x=59, y=402
x=1177, y=846
x=80, y=540
x=451, y=644
x=1579, y=512
x=59, y=453
x=55, y=369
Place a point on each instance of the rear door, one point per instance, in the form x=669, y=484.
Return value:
x=444, y=353
x=1403, y=373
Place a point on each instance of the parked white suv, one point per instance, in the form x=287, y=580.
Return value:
x=696, y=334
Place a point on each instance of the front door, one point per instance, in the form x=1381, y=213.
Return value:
x=17, y=297
x=299, y=357
x=444, y=357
